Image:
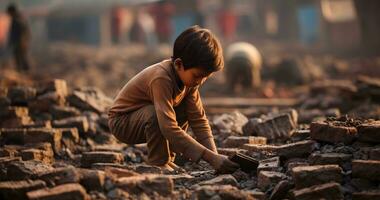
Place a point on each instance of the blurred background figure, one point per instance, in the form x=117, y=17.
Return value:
x=19, y=38
x=243, y=66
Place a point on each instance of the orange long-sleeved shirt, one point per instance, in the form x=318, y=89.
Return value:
x=158, y=85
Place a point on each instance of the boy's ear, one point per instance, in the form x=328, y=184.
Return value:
x=178, y=63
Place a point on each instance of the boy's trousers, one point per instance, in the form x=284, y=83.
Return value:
x=141, y=126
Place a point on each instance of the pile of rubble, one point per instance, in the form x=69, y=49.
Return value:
x=55, y=144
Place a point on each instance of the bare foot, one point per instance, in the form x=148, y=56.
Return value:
x=166, y=167
x=176, y=167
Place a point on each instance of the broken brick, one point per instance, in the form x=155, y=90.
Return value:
x=368, y=169
x=57, y=85
x=366, y=195
x=38, y=154
x=44, y=102
x=16, y=190
x=269, y=178
x=322, y=131
x=92, y=179
x=238, y=141
x=81, y=123
x=324, y=191
x=21, y=170
x=220, y=192
x=146, y=184
x=270, y=164
x=66, y=191
x=35, y=135
x=84, y=101
x=59, y=176
x=61, y=112
x=330, y=158
x=281, y=190
x=306, y=176
x=225, y=179
x=231, y=151
x=14, y=112
x=374, y=154
x=272, y=127
x=292, y=150
x=369, y=132
x=90, y=158
x=20, y=95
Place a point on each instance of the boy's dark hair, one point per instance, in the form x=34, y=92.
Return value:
x=198, y=47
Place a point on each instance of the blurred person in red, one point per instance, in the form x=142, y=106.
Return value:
x=227, y=21
x=162, y=13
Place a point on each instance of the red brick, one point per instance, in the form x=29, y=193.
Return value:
x=269, y=178
x=368, y=169
x=306, y=176
x=330, y=158
x=90, y=158
x=369, y=132
x=324, y=191
x=59, y=176
x=16, y=190
x=239, y=141
x=66, y=191
x=292, y=150
x=81, y=123
x=366, y=195
x=92, y=179
x=147, y=184
x=325, y=132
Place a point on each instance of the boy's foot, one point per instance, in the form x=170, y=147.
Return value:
x=166, y=167
x=176, y=167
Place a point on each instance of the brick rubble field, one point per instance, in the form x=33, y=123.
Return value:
x=55, y=144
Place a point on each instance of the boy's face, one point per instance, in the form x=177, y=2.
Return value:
x=193, y=76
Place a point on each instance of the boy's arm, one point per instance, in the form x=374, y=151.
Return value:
x=198, y=120
x=161, y=93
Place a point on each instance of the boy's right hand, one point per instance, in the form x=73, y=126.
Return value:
x=220, y=163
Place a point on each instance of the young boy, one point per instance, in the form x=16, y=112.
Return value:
x=159, y=103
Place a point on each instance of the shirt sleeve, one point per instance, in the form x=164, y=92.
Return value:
x=162, y=95
x=198, y=120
